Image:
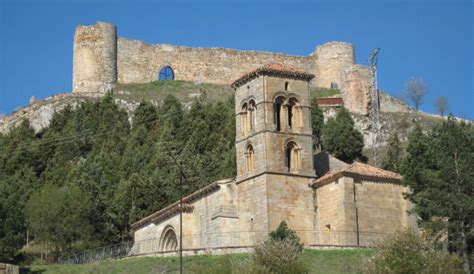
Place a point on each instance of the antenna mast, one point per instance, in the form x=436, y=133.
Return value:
x=375, y=110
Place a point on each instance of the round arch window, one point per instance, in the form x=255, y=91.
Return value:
x=166, y=73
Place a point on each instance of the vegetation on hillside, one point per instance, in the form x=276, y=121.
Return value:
x=126, y=171
x=116, y=172
x=315, y=261
x=341, y=139
x=439, y=171
x=409, y=252
x=324, y=92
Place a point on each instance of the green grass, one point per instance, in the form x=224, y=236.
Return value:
x=317, y=261
x=183, y=90
x=324, y=92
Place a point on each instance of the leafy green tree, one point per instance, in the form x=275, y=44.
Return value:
x=341, y=139
x=58, y=216
x=317, y=122
x=394, y=154
x=438, y=169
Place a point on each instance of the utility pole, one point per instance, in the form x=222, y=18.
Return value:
x=182, y=177
x=374, y=94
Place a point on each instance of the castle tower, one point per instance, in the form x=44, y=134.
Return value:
x=274, y=151
x=95, y=58
x=331, y=60
x=357, y=82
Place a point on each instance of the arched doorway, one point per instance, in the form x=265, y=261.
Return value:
x=169, y=241
x=166, y=73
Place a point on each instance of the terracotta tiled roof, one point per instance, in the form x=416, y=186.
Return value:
x=174, y=208
x=329, y=102
x=361, y=171
x=273, y=69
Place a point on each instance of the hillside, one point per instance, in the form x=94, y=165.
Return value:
x=83, y=149
x=395, y=116
x=317, y=261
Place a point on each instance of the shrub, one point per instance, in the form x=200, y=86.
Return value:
x=407, y=252
x=280, y=253
x=277, y=256
x=283, y=232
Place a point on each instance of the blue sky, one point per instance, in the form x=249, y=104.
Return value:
x=430, y=39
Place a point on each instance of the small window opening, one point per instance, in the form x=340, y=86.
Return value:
x=291, y=156
x=252, y=115
x=244, y=120
x=166, y=74
x=277, y=105
x=250, y=159
x=294, y=113
x=286, y=86
x=290, y=114
x=334, y=85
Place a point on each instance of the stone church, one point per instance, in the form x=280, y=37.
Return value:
x=327, y=202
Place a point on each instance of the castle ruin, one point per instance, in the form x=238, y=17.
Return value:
x=101, y=59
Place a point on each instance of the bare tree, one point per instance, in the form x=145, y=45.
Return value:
x=441, y=105
x=415, y=91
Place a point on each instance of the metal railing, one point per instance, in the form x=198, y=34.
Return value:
x=195, y=243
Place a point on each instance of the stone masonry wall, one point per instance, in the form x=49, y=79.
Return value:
x=101, y=59
x=331, y=59
x=140, y=63
x=381, y=211
x=95, y=58
x=213, y=223
x=356, y=88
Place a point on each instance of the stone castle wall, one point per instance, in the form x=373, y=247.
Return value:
x=357, y=82
x=331, y=60
x=95, y=58
x=101, y=57
x=140, y=63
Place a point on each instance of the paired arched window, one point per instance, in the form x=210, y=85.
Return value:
x=166, y=73
x=250, y=159
x=292, y=161
x=290, y=110
x=248, y=116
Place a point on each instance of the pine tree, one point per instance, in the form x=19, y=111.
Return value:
x=317, y=123
x=341, y=139
x=393, y=157
x=438, y=169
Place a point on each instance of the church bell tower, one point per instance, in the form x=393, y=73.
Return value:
x=274, y=151
x=273, y=122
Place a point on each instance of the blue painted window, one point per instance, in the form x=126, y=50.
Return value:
x=166, y=73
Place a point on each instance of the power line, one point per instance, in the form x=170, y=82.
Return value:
x=83, y=134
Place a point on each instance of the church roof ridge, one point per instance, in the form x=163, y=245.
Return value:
x=273, y=69
x=361, y=171
x=174, y=207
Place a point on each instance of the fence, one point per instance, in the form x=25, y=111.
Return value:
x=220, y=243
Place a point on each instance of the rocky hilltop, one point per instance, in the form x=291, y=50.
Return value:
x=395, y=114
